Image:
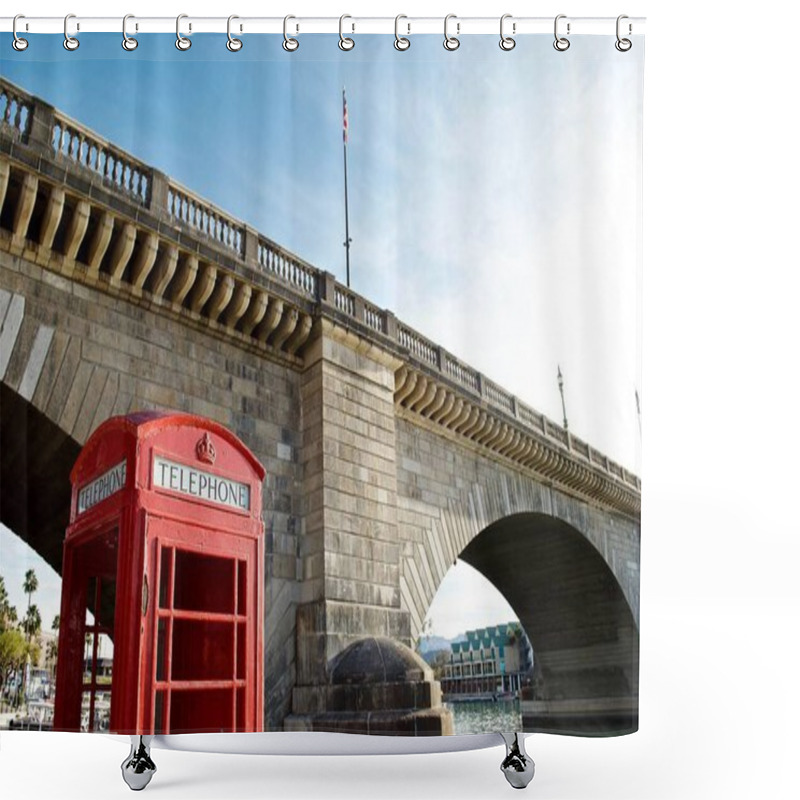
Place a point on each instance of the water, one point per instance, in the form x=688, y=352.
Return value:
x=486, y=716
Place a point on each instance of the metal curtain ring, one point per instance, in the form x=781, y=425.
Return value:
x=561, y=43
x=623, y=45
x=506, y=42
x=345, y=43
x=181, y=42
x=451, y=42
x=289, y=43
x=19, y=44
x=70, y=42
x=400, y=42
x=128, y=42
x=233, y=44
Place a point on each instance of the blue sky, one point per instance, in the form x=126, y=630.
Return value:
x=494, y=196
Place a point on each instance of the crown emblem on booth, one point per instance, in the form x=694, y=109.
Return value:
x=205, y=449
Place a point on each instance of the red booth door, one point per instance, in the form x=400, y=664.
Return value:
x=84, y=691
x=202, y=639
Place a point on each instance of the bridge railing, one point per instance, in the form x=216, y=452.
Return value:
x=26, y=119
x=16, y=110
x=188, y=210
x=287, y=268
x=86, y=150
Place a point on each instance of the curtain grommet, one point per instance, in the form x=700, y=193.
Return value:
x=233, y=44
x=181, y=42
x=19, y=44
x=451, y=43
x=507, y=42
x=561, y=43
x=401, y=43
x=71, y=43
x=129, y=43
x=290, y=44
x=345, y=42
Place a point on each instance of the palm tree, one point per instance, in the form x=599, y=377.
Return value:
x=32, y=623
x=5, y=607
x=30, y=584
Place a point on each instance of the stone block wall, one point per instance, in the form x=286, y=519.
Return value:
x=350, y=551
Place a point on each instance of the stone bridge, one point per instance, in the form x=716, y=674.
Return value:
x=387, y=457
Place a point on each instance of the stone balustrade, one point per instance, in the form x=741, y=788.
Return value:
x=84, y=207
x=87, y=150
x=15, y=110
x=187, y=209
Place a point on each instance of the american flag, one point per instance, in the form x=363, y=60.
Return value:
x=344, y=117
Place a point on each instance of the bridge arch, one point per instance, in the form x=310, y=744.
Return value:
x=568, y=567
x=36, y=456
x=568, y=600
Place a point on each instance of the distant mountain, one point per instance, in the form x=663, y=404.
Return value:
x=429, y=646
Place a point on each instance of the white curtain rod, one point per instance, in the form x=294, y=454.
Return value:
x=513, y=26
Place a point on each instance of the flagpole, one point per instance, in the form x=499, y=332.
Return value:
x=346, y=211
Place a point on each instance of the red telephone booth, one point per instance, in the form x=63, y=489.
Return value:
x=162, y=601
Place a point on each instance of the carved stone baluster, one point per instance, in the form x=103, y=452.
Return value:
x=448, y=415
x=400, y=377
x=300, y=335
x=121, y=253
x=514, y=446
x=218, y=302
x=25, y=204
x=255, y=312
x=458, y=416
x=286, y=327
x=76, y=230
x=164, y=270
x=426, y=399
x=474, y=423
x=526, y=445
x=447, y=405
x=145, y=258
x=5, y=172
x=184, y=280
x=270, y=322
x=204, y=286
x=503, y=438
x=438, y=402
x=409, y=381
x=52, y=216
x=419, y=391
x=486, y=430
x=498, y=437
x=100, y=241
x=530, y=455
x=238, y=305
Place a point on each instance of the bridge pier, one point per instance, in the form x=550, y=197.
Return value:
x=350, y=551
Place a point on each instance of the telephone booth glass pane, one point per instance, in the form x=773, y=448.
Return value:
x=201, y=639
x=204, y=583
x=97, y=561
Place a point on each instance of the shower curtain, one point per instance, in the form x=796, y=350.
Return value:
x=320, y=384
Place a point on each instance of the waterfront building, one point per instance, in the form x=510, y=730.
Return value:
x=487, y=662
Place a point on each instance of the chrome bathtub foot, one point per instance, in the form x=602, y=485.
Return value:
x=517, y=766
x=138, y=768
